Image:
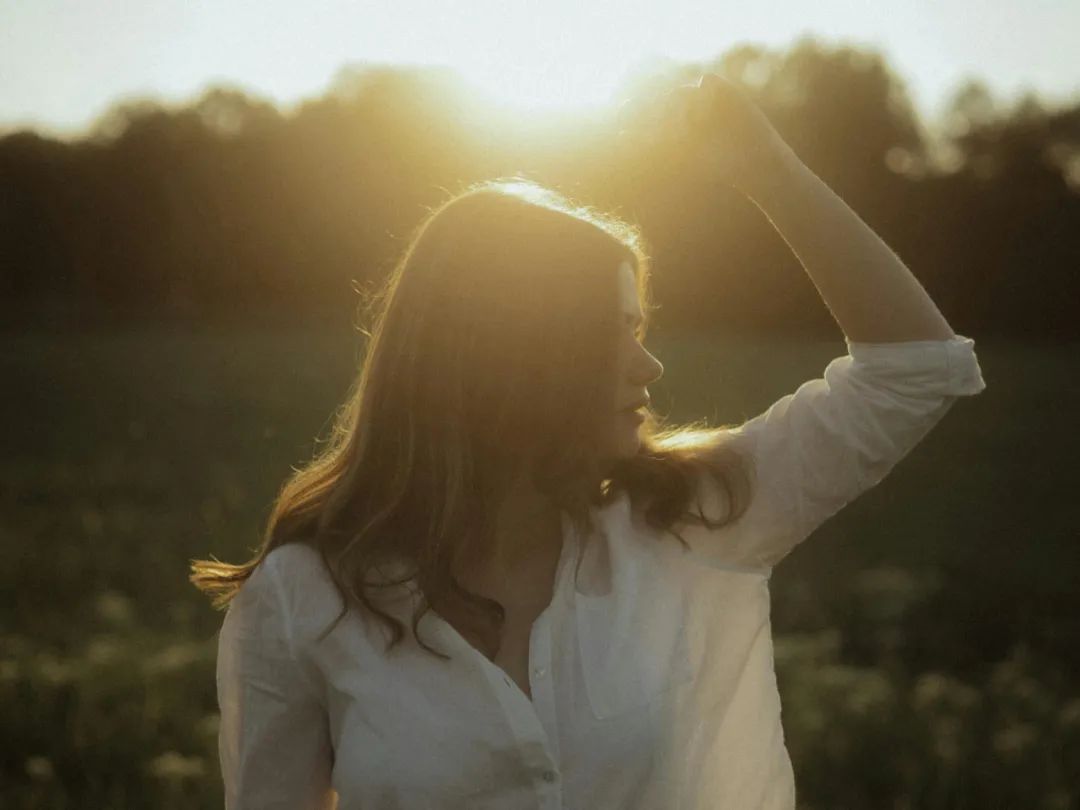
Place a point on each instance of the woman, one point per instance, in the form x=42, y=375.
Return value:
x=586, y=591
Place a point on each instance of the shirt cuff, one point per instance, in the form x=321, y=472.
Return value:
x=939, y=367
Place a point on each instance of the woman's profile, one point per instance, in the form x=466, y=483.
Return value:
x=505, y=582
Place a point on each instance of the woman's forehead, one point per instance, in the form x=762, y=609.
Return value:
x=628, y=294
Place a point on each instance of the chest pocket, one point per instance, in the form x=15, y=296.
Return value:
x=630, y=662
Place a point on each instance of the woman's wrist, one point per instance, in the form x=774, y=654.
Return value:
x=775, y=170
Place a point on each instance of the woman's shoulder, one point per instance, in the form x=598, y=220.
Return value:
x=295, y=560
x=307, y=592
x=312, y=597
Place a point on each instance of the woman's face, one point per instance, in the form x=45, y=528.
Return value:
x=635, y=369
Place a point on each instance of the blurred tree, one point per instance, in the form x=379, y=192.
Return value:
x=226, y=209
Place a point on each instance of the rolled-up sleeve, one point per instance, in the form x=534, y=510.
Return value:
x=816, y=449
x=274, y=743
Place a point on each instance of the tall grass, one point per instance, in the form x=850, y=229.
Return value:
x=925, y=636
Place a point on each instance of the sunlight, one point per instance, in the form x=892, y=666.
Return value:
x=539, y=87
x=555, y=62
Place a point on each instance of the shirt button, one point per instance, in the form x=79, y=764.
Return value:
x=539, y=672
x=549, y=776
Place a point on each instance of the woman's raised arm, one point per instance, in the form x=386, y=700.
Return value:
x=718, y=132
x=871, y=293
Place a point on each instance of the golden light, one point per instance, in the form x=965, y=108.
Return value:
x=562, y=62
x=537, y=89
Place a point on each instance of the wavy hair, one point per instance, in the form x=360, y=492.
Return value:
x=490, y=354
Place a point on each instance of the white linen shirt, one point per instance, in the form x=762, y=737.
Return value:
x=652, y=679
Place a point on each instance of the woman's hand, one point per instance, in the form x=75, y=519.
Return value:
x=711, y=127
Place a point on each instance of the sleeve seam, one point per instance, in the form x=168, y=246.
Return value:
x=316, y=689
x=283, y=609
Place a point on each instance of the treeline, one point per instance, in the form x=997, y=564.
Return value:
x=229, y=210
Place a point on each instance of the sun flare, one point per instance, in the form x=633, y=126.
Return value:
x=544, y=88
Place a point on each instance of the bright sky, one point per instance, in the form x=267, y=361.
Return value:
x=63, y=62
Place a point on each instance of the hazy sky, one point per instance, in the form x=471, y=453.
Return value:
x=63, y=62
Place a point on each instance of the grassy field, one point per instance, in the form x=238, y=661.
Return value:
x=926, y=636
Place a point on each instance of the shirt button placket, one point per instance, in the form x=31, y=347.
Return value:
x=552, y=795
x=552, y=798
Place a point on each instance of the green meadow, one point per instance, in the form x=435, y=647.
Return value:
x=926, y=636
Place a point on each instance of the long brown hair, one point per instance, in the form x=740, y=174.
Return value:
x=490, y=353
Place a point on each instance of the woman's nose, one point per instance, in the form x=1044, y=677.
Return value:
x=649, y=369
